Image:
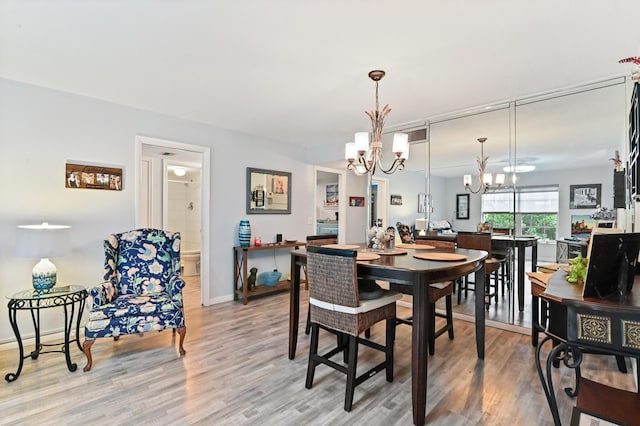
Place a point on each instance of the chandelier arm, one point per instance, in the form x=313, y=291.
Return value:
x=398, y=164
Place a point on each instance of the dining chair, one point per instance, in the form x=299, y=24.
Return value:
x=481, y=241
x=316, y=240
x=436, y=292
x=337, y=308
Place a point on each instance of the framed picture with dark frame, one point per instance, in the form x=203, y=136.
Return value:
x=462, y=206
x=268, y=191
x=585, y=196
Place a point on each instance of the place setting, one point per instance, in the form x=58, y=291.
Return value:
x=446, y=257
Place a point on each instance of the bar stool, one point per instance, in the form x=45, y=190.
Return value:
x=336, y=307
x=481, y=241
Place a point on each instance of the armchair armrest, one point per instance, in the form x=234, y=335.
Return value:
x=103, y=293
x=176, y=284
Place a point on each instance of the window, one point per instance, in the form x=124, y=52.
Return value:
x=536, y=211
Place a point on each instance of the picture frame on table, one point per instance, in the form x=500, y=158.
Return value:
x=581, y=417
x=462, y=206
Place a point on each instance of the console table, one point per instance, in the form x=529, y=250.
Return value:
x=240, y=268
x=569, y=249
x=67, y=297
x=577, y=325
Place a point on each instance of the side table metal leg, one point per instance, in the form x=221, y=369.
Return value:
x=79, y=320
x=547, y=384
x=68, y=324
x=10, y=377
x=571, y=356
x=35, y=317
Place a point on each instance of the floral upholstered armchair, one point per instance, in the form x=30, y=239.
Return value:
x=142, y=289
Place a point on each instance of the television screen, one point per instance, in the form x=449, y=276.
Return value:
x=612, y=265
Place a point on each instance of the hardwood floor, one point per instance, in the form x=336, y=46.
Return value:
x=236, y=372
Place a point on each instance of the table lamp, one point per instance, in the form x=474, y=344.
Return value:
x=421, y=227
x=43, y=241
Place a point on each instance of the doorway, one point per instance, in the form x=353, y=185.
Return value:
x=330, y=203
x=168, y=201
x=378, y=202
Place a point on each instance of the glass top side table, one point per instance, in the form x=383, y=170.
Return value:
x=68, y=297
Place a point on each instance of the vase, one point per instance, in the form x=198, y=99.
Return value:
x=390, y=240
x=244, y=233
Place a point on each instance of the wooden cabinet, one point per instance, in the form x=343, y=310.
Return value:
x=567, y=249
x=241, y=271
x=578, y=325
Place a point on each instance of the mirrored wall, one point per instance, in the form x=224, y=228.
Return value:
x=568, y=135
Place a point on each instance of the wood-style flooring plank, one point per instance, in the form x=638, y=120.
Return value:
x=236, y=372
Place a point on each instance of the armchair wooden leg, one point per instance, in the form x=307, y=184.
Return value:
x=182, y=331
x=86, y=348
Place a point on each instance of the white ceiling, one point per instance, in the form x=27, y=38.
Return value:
x=296, y=70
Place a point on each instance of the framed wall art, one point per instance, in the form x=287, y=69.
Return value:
x=356, y=201
x=462, y=206
x=585, y=196
x=92, y=176
x=268, y=192
x=396, y=200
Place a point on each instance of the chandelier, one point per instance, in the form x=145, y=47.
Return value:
x=486, y=180
x=365, y=159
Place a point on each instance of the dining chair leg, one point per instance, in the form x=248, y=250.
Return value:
x=313, y=353
x=390, y=338
x=351, y=372
x=307, y=327
x=431, y=326
x=449, y=315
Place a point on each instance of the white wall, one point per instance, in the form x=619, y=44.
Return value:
x=40, y=129
x=406, y=184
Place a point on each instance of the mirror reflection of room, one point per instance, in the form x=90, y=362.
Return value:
x=268, y=191
x=544, y=144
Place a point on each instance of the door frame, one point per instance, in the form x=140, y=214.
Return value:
x=342, y=200
x=382, y=199
x=205, y=197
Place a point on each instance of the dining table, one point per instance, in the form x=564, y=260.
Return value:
x=506, y=242
x=411, y=275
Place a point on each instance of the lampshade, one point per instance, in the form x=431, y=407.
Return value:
x=350, y=151
x=43, y=241
x=362, y=141
x=421, y=224
x=401, y=144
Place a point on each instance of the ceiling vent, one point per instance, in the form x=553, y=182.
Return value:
x=417, y=135
x=417, y=131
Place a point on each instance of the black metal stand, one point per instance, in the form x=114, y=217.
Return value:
x=34, y=302
x=571, y=356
